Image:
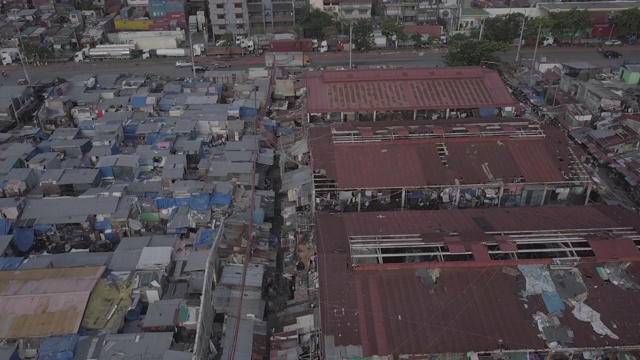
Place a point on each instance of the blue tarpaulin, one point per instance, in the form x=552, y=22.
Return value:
x=199, y=202
x=258, y=216
x=206, y=238
x=42, y=228
x=58, y=348
x=165, y=203
x=487, y=112
x=102, y=225
x=182, y=201
x=220, y=200
x=23, y=238
x=10, y=263
x=138, y=101
x=5, y=226
x=553, y=302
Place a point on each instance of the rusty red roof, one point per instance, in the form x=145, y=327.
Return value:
x=369, y=90
x=415, y=162
x=390, y=310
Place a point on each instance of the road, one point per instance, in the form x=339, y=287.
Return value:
x=429, y=58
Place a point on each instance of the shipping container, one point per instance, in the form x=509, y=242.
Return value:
x=156, y=43
x=157, y=14
x=159, y=26
x=304, y=45
x=124, y=25
x=179, y=16
x=127, y=13
x=222, y=51
x=175, y=6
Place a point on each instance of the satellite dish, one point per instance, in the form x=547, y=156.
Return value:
x=445, y=13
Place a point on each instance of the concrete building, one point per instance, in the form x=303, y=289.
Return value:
x=229, y=16
x=272, y=16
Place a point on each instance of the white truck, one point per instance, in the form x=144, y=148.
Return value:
x=81, y=55
x=198, y=50
x=112, y=52
x=164, y=42
x=10, y=56
x=288, y=59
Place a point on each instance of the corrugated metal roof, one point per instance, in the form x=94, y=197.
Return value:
x=399, y=163
x=405, y=89
x=46, y=302
x=468, y=309
x=162, y=313
x=148, y=345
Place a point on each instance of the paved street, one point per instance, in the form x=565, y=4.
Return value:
x=428, y=58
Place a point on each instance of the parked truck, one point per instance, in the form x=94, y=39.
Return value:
x=112, y=52
x=223, y=51
x=304, y=45
x=198, y=50
x=290, y=59
x=10, y=56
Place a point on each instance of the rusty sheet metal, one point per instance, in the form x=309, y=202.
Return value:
x=405, y=89
x=469, y=309
x=44, y=302
x=414, y=163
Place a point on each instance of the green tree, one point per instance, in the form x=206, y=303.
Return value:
x=298, y=33
x=472, y=52
x=313, y=21
x=417, y=40
x=329, y=32
x=627, y=22
x=393, y=30
x=35, y=53
x=228, y=41
x=570, y=24
x=363, y=35
x=503, y=28
x=532, y=26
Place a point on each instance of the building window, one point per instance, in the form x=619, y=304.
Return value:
x=238, y=5
x=238, y=16
x=219, y=6
x=222, y=27
x=221, y=17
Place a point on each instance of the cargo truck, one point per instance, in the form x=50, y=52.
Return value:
x=198, y=50
x=290, y=59
x=109, y=52
x=304, y=45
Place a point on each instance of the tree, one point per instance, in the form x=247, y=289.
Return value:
x=329, y=32
x=393, y=30
x=503, y=28
x=417, y=40
x=35, y=53
x=570, y=24
x=313, y=20
x=363, y=35
x=228, y=41
x=532, y=25
x=472, y=52
x=627, y=22
x=298, y=32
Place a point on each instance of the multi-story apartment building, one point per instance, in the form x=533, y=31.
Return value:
x=272, y=16
x=228, y=16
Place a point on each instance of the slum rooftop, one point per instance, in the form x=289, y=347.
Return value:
x=432, y=153
x=478, y=280
x=405, y=89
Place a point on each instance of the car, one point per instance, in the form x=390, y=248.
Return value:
x=200, y=69
x=220, y=65
x=183, y=64
x=613, y=42
x=610, y=54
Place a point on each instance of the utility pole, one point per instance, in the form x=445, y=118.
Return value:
x=350, y=44
x=481, y=29
x=24, y=68
x=520, y=40
x=193, y=63
x=535, y=53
